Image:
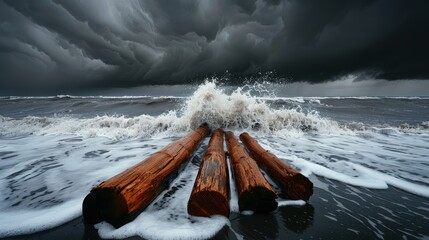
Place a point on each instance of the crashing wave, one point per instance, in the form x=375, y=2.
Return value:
x=209, y=103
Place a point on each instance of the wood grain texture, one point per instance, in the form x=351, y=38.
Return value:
x=254, y=192
x=292, y=182
x=121, y=198
x=210, y=194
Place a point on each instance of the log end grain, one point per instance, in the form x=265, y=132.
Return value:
x=300, y=187
x=259, y=200
x=208, y=203
x=105, y=204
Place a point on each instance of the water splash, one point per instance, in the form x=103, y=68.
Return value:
x=245, y=108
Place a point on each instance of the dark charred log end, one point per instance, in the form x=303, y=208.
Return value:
x=90, y=211
x=104, y=204
x=208, y=203
x=299, y=188
x=259, y=200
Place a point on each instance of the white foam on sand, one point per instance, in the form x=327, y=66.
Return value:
x=44, y=179
x=29, y=221
x=155, y=226
x=283, y=203
x=358, y=161
x=396, y=182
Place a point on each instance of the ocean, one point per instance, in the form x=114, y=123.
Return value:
x=368, y=158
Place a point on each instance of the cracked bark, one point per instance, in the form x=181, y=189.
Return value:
x=210, y=194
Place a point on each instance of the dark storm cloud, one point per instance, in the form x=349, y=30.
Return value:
x=66, y=44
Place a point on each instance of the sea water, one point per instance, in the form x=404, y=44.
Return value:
x=368, y=158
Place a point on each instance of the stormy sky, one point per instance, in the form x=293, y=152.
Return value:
x=64, y=44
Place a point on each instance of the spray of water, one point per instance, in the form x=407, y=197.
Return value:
x=242, y=108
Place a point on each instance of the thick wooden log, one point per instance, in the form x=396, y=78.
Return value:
x=293, y=183
x=210, y=195
x=121, y=198
x=254, y=192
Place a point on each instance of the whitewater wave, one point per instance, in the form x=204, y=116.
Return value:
x=239, y=109
x=209, y=104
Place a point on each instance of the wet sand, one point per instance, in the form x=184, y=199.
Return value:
x=335, y=211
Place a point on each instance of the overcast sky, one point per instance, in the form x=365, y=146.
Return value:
x=65, y=44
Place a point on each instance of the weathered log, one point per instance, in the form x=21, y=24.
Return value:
x=254, y=192
x=121, y=198
x=210, y=194
x=293, y=183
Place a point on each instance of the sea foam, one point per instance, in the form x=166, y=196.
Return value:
x=48, y=164
x=17, y=222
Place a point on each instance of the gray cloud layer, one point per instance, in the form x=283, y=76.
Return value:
x=76, y=44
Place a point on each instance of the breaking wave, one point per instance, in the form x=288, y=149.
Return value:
x=250, y=108
x=209, y=103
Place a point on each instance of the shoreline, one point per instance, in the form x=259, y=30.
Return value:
x=334, y=212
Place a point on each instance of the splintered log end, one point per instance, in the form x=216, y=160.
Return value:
x=208, y=203
x=103, y=204
x=258, y=199
x=300, y=187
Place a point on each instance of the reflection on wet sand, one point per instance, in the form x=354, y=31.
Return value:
x=256, y=226
x=297, y=218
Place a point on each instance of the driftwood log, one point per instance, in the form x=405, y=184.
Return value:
x=254, y=192
x=210, y=194
x=293, y=183
x=121, y=198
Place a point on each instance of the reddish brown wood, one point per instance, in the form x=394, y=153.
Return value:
x=121, y=198
x=210, y=193
x=292, y=182
x=254, y=192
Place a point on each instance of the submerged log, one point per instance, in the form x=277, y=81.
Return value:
x=254, y=192
x=210, y=193
x=292, y=182
x=121, y=198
